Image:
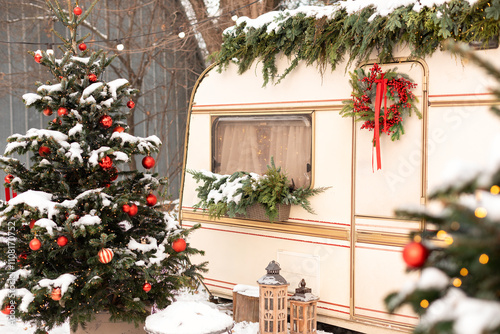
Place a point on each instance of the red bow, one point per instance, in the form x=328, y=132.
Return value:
x=381, y=95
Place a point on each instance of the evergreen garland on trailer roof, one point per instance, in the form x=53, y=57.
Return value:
x=330, y=38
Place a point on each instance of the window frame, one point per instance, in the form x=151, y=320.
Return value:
x=308, y=113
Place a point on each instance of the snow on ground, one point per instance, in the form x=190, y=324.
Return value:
x=202, y=310
x=22, y=328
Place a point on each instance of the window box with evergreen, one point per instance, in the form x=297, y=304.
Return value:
x=244, y=194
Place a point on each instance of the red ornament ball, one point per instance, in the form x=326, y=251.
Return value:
x=47, y=111
x=77, y=11
x=38, y=58
x=56, y=294
x=106, y=121
x=151, y=199
x=119, y=129
x=55, y=120
x=146, y=287
x=105, y=255
x=126, y=208
x=179, y=245
x=130, y=104
x=62, y=241
x=35, y=244
x=6, y=309
x=133, y=210
x=415, y=254
x=106, y=163
x=8, y=178
x=62, y=111
x=148, y=162
x=92, y=77
x=82, y=47
x=43, y=151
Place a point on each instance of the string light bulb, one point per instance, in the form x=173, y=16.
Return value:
x=182, y=34
x=120, y=46
x=495, y=190
x=234, y=17
x=480, y=212
x=483, y=259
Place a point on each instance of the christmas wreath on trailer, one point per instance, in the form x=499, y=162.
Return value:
x=381, y=100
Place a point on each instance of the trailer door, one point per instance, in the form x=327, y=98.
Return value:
x=377, y=235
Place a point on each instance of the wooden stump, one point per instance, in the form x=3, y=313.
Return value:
x=245, y=305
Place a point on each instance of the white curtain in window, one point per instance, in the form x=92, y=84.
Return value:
x=248, y=145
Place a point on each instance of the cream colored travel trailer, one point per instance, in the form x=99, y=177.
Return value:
x=349, y=252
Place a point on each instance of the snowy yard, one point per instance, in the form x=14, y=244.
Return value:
x=182, y=317
x=20, y=328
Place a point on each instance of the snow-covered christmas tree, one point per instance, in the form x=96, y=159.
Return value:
x=84, y=235
x=458, y=290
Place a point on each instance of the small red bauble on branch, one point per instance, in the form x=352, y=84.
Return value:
x=82, y=47
x=38, y=58
x=32, y=223
x=415, y=254
x=56, y=294
x=77, y=11
x=35, y=244
x=6, y=309
x=151, y=199
x=148, y=162
x=92, y=77
x=119, y=129
x=62, y=241
x=8, y=178
x=106, y=163
x=62, y=111
x=106, y=121
x=47, y=111
x=133, y=210
x=105, y=255
x=131, y=104
x=126, y=208
x=43, y=151
x=179, y=245
x=146, y=287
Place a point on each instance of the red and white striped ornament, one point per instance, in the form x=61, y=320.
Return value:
x=105, y=255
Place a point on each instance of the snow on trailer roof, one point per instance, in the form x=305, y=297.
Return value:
x=382, y=8
x=355, y=30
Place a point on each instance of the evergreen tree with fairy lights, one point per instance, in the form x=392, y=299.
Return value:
x=458, y=290
x=83, y=235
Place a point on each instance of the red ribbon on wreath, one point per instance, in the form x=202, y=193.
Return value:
x=381, y=95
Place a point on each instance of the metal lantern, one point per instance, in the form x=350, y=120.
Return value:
x=273, y=301
x=303, y=310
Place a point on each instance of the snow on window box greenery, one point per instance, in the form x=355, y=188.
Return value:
x=232, y=194
x=326, y=35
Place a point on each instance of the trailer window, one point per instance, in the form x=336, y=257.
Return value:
x=247, y=143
